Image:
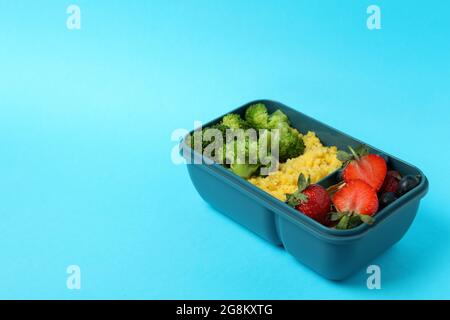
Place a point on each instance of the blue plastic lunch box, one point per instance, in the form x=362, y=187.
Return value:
x=334, y=254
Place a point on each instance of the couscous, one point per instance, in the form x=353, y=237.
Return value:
x=316, y=162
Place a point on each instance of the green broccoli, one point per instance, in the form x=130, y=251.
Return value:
x=257, y=116
x=234, y=121
x=277, y=119
x=268, y=164
x=217, y=126
x=245, y=162
x=291, y=145
x=205, y=142
x=244, y=170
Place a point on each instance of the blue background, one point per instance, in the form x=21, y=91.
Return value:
x=86, y=117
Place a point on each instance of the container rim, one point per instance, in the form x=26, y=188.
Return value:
x=290, y=213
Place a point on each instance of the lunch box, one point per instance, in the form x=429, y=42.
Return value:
x=334, y=254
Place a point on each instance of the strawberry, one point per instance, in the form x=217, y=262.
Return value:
x=312, y=200
x=356, y=201
x=391, y=181
x=317, y=203
x=362, y=165
x=356, y=197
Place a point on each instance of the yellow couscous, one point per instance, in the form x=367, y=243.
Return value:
x=316, y=162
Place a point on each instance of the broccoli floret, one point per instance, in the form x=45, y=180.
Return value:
x=234, y=121
x=205, y=142
x=257, y=116
x=291, y=145
x=277, y=119
x=222, y=153
x=268, y=164
x=244, y=170
x=245, y=162
x=245, y=150
x=217, y=154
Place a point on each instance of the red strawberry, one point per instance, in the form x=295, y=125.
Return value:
x=370, y=168
x=317, y=203
x=391, y=181
x=311, y=200
x=356, y=197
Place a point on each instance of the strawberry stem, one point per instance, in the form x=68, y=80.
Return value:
x=354, y=153
x=302, y=182
x=335, y=188
x=343, y=223
x=350, y=220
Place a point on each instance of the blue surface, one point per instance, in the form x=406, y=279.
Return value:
x=86, y=117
